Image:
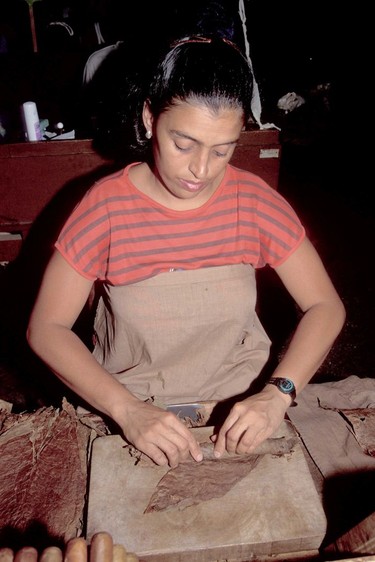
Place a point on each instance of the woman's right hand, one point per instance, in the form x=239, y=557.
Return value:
x=158, y=433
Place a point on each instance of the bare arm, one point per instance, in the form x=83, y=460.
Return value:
x=257, y=417
x=61, y=298
x=307, y=281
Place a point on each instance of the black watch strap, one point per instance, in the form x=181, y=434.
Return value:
x=286, y=386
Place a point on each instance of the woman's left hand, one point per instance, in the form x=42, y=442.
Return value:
x=251, y=421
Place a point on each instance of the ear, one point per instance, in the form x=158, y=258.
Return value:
x=147, y=116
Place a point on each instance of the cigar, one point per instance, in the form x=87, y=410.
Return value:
x=271, y=446
x=76, y=550
x=101, y=548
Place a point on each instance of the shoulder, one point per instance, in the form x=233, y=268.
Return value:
x=110, y=185
x=249, y=181
x=252, y=186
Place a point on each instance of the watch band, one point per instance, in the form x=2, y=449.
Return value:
x=286, y=386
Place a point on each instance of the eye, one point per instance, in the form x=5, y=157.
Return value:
x=221, y=154
x=182, y=148
x=226, y=151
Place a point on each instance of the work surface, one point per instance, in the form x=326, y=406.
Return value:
x=274, y=509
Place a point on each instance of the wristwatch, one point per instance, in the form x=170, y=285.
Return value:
x=286, y=386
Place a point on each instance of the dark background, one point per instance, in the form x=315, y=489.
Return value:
x=293, y=47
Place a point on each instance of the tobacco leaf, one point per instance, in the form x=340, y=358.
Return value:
x=192, y=483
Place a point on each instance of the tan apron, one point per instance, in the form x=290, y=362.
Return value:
x=183, y=336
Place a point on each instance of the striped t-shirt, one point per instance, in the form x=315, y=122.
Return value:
x=120, y=236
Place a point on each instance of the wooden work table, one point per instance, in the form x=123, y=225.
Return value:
x=33, y=174
x=273, y=510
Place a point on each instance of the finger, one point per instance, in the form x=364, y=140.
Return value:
x=186, y=447
x=155, y=454
x=131, y=557
x=196, y=452
x=233, y=439
x=176, y=452
x=170, y=442
x=194, y=448
x=185, y=442
x=51, y=554
x=178, y=443
x=221, y=438
x=250, y=441
x=6, y=554
x=119, y=553
x=101, y=548
x=219, y=445
x=76, y=550
x=26, y=554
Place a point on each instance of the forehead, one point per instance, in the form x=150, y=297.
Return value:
x=197, y=120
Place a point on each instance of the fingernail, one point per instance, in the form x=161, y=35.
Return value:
x=199, y=457
x=217, y=454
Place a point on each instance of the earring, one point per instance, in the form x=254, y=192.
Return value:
x=148, y=134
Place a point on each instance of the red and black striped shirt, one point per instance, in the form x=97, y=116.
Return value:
x=119, y=235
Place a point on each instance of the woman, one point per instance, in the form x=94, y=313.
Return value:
x=174, y=242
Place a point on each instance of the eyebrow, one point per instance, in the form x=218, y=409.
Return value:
x=188, y=137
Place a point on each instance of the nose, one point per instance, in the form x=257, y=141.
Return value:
x=199, y=164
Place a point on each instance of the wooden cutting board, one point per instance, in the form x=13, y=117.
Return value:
x=275, y=509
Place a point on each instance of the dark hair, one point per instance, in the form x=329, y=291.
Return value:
x=209, y=70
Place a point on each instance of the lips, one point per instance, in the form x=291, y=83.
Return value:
x=192, y=186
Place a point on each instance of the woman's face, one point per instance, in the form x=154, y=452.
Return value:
x=191, y=148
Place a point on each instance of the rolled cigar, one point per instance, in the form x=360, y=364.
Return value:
x=131, y=557
x=76, y=550
x=26, y=554
x=51, y=554
x=119, y=553
x=101, y=548
x=272, y=446
x=6, y=554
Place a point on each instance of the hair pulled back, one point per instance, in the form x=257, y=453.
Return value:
x=210, y=70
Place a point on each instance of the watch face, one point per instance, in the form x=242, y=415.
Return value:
x=286, y=386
